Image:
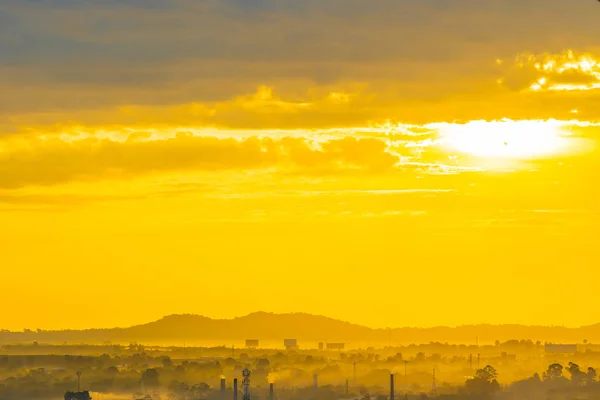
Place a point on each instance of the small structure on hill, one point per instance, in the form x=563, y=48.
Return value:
x=85, y=395
x=78, y=395
x=560, y=348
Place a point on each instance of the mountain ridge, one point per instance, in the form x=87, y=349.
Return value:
x=303, y=326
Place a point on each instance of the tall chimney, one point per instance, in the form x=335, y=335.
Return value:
x=316, y=382
x=392, y=393
x=222, y=388
x=235, y=389
x=271, y=392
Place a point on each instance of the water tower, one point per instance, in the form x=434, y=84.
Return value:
x=246, y=383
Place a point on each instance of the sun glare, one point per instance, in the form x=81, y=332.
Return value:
x=505, y=139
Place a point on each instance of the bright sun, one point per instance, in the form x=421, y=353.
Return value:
x=505, y=139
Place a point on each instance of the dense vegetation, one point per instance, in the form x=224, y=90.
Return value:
x=510, y=370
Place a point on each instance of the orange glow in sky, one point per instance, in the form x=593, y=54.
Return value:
x=289, y=158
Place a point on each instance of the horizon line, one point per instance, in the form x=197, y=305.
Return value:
x=307, y=314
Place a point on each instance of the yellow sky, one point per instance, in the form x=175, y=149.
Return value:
x=449, y=179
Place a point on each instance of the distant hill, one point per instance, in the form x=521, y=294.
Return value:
x=194, y=329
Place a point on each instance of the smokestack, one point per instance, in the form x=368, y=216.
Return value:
x=392, y=392
x=316, y=381
x=222, y=388
x=271, y=392
x=235, y=389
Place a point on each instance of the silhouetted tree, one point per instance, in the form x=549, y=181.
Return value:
x=166, y=362
x=484, y=384
x=577, y=376
x=528, y=388
x=591, y=375
x=554, y=372
x=150, y=377
x=488, y=373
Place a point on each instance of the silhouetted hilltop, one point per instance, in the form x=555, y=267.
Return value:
x=262, y=325
x=305, y=327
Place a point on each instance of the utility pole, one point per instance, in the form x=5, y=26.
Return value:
x=471, y=362
x=78, y=381
x=478, y=355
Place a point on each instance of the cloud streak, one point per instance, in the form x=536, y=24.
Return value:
x=39, y=161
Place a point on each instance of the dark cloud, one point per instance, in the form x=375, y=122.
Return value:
x=185, y=50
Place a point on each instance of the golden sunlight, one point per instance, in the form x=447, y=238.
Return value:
x=506, y=138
